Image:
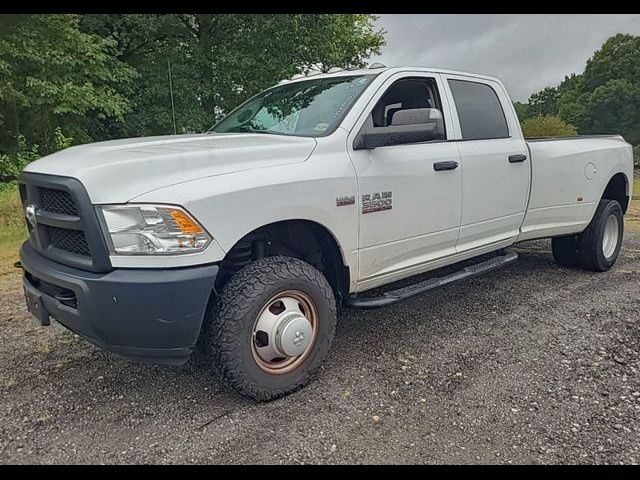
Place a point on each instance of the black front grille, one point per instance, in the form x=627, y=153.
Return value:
x=73, y=241
x=60, y=201
x=66, y=228
x=57, y=201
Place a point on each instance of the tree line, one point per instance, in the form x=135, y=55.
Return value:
x=604, y=99
x=69, y=79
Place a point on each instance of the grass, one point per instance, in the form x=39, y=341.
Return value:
x=632, y=218
x=12, y=228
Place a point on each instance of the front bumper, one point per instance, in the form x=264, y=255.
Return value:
x=147, y=314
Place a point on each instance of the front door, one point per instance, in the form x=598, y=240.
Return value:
x=409, y=211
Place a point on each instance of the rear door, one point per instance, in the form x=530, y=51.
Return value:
x=494, y=159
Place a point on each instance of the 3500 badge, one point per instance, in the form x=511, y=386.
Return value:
x=377, y=202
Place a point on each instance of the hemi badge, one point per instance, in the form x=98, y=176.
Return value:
x=346, y=200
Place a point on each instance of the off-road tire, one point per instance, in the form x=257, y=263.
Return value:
x=232, y=320
x=590, y=241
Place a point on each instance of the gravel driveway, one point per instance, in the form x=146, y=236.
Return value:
x=530, y=364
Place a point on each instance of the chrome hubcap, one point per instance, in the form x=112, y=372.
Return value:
x=284, y=332
x=610, y=237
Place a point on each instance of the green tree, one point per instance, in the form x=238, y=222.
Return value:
x=606, y=97
x=55, y=78
x=522, y=110
x=219, y=60
x=81, y=78
x=547, y=126
x=151, y=43
x=544, y=102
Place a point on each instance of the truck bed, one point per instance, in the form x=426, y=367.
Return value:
x=568, y=176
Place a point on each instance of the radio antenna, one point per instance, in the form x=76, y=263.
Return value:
x=173, y=109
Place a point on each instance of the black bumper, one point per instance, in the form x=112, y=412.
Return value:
x=147, y=314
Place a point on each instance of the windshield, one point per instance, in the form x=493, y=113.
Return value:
x=306, y=108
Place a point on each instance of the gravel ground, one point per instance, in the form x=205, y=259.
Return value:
x=530, y=364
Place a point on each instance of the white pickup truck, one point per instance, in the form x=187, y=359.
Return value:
x=244, y=239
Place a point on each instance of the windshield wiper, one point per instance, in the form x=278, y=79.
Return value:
x=250, y=129
x=244, y=129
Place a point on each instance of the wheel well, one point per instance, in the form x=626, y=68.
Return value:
x=617, y=190
x=302, y=239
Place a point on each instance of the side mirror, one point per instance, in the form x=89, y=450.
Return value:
x=373, y=137
x=407, y=126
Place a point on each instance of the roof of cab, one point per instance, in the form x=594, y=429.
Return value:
x=389, y=70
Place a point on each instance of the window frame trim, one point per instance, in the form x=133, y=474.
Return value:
x=449, y=120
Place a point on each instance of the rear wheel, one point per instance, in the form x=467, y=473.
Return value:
x=272, y=327
x=599, y=245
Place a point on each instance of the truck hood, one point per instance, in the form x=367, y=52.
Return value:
x=118, y=170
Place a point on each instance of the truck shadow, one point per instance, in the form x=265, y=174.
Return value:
x=364, y=335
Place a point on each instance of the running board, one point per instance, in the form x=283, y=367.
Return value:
x=394, y=296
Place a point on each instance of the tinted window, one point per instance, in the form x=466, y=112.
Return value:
x=479, y=110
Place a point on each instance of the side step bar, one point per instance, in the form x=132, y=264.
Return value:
x=394, y=296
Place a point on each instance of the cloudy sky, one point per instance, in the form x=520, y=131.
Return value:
x=527, y=52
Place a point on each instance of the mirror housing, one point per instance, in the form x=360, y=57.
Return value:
x=373, y=137
x=409, y=125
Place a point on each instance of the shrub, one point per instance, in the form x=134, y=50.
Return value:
x=11, y=214
x=547, y=126
x=11, y=164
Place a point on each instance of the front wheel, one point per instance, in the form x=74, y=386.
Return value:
x=272, y=327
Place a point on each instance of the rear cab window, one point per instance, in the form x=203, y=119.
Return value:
x=479, y=110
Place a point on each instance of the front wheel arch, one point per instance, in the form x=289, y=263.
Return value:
x=305, y=240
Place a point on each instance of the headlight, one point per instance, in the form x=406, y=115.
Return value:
x=152, y=230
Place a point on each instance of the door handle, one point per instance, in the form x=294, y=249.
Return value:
x=517, y=158
x=449, y=165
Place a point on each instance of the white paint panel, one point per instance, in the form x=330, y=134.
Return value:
x=557, y=220
x=494, y=191
x=424, y=220
x=418, y=268
x=563, y=199
x=489, y=231
x=233, y=205
x=118, y=170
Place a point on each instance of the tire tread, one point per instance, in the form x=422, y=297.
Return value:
x=233, y=306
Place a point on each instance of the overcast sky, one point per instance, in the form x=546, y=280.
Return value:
x=527, y=52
